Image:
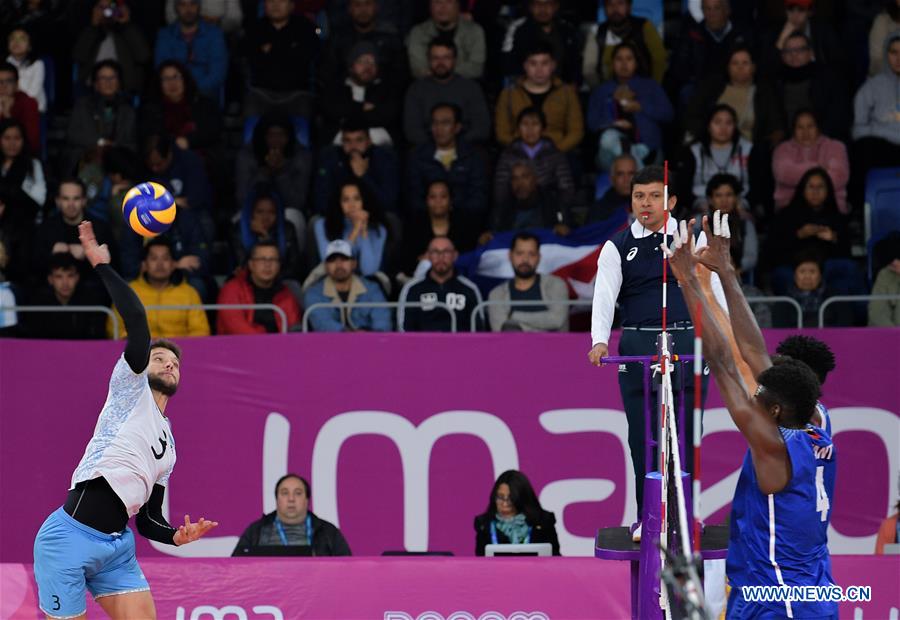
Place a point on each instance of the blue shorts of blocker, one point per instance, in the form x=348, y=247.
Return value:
x=70, y=558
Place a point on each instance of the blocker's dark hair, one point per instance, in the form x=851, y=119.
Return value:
x=811, y=351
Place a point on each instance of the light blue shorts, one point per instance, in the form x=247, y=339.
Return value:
x=70, y=557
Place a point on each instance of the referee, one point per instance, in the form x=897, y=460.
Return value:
x=629, y=270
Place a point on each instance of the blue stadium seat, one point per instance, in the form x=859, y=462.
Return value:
x=602, y=184
x=648, y=9
x=301, y=129
x=882, y=210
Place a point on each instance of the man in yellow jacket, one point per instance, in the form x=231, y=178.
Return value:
x=161, y=285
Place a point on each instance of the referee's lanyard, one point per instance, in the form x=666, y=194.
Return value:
x=494, y=535
x=280, y=529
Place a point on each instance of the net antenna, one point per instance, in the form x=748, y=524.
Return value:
x=679, y=577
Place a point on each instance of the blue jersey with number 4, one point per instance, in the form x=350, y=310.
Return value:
x=782, y=538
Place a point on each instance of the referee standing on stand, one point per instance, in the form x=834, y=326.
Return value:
x=629, y=270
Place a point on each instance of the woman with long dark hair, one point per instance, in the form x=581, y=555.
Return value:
x=720, y=150
x=514, y=516
x=19, y=171
x=178, y=109
x=354, y=216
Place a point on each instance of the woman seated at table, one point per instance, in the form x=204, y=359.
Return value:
x=514, y=516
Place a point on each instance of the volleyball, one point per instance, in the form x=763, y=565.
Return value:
x=149, y=209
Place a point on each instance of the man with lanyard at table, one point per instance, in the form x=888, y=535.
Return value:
x=629, y=270
x=291, y=524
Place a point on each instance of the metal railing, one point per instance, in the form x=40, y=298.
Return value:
x=519, y=303
x=163, y=308
x=837, y=299
x=379, y=304
x=103, y=309
x=762, y=299
x=277, y=309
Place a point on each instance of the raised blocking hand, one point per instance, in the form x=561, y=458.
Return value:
x=681, y=255
x=716, y=255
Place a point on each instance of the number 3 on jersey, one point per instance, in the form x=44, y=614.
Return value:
x=822, y=502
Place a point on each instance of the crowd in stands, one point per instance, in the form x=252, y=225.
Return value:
x=348, y=152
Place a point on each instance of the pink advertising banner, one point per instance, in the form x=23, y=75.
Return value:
x=414, y=588
x=402, y=435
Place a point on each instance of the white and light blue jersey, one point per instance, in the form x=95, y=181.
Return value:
x=781, y=539
x=132, y=446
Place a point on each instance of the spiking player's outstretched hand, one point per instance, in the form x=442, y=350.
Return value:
x=716, y=254
x=681, y=255
x=189, y=532
x=96, y=254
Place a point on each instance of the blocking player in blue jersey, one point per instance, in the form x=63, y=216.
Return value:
x=781, y=507
x=85, y=545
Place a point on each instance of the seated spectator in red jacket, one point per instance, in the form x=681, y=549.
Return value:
x=807, y=149
x=16, y=104
x=259, y=283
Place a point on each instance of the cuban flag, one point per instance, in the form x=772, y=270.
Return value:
x=572, y=258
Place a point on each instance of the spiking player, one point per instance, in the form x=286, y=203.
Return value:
x=781, y=507
x=86, y=543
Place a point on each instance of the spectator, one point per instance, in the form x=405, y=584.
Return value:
x=885, y=23
x=514, y=516
x=440, y=284
x=63, y=289
x=621, y=26
x=528, y=285
x=438, y=219
x=180, y=171
x=528, y=206
x=262, y=219
x=812, y=222
x=354, y=215
x=807, y=149
x=468, y=37
x=180, y=111
x=18, y=170
x=259, y=283
x=358, y=158
x=226, y=14
x=820, y=32
x=340, y=284
x=100, y=119
x=162, y=284
x=886, y=312
x=876, y=124
x=806, y=82
x=540, y=88
x=810, y=290
x=551, y=166
x=396, y=13
x=17, y=215
x=281, y=48
x=364, y=94
x=618, y=196
x=722, y=194
x=197, y=44
x=8, y=319
x=274, y=157
x=59, y=232
x=628, y=111
x=293, y=523
x=720, y=149
x=30, y=68
x=759, y=115
x=702, y=49
x=448, y=157
x=542, y=24
x=444, y=84
x=15, y=104
x=111, y=35
x=365, y=25
x=762, y=311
